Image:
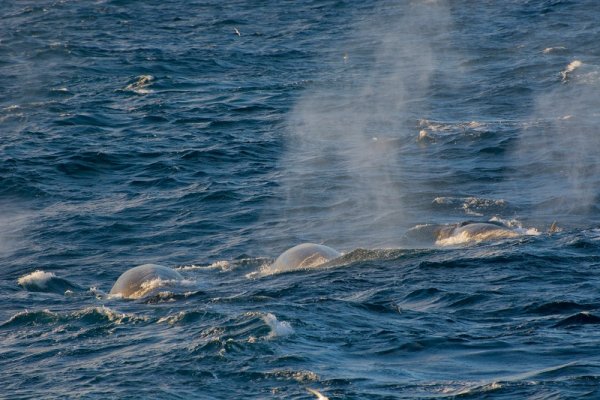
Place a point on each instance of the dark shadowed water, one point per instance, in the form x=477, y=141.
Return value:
x=209, y=137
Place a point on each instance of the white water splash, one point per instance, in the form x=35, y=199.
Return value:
x=471, y=205
x=141, y=84
x=222, y=265
x=111, y=315
x=278, y=328
x=466, y=237
x=38, y=279
x=153, y=286
x=172, y=319
x=556, y=49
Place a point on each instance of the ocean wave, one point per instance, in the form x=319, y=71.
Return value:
x=41, y=281
x=141, y=84
x=182, y=317
x=278, y=328
x=472, y=205
x=301, y=376
x=581, y=318
x=557, y=307
x=25, y=318
x=222, y=265
x=88, y=315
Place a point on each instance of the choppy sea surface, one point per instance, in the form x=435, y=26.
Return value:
x=211, y=136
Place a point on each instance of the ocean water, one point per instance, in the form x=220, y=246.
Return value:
x=209, y=137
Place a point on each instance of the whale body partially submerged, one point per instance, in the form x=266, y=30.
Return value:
x=141, y=280
x=463, y=233
x=473, y=232
x=304, y=256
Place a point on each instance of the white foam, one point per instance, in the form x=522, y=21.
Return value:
x=278, y=328
x=468, y=237
x=471, y=204
x=301, y=376
x=265, y=269
x=140, y=85
x=150, y=286
x=477, y=389
x=548, y=50
x=172, y=319
x=110, y=314
x=97, y=292
x=441, y=128
x=223, y=265
x=517, y=226
x=37, y=279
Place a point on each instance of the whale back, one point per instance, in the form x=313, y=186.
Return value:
x=474, y=232
x=306, y=255
x=486, y=229
x=131, y=283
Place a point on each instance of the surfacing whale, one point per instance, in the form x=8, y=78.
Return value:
x=463, y=233
x=304, y=256
x=473, y=232
x=141, y=280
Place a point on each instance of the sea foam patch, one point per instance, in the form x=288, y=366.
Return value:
x=38, y=279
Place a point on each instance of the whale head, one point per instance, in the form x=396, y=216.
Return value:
x=304, y=256
x=138, y=281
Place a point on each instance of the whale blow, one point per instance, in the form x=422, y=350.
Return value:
x=137, y=282
x=303, y=256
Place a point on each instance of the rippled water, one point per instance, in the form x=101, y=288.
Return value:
x=210, y=137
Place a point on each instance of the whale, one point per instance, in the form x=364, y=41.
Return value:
x=461, y=233
x=139, y=281
x=466, y=232
x=304, y=256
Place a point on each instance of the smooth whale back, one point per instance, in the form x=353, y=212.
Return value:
x=303, y=256
x=474, y=232
x=134, y=282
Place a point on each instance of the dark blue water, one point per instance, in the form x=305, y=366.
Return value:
x=210, y=137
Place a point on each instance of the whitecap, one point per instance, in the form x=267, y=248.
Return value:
x=468, y=237
x=471, y=205
x=140, y=85
x=153, y=286
x=517, y=226
x=109, y=314
x=548, y=50
x=278, y=328
x=32, y=316
x=37, y=279
x=172, y=319
x=223, y=265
